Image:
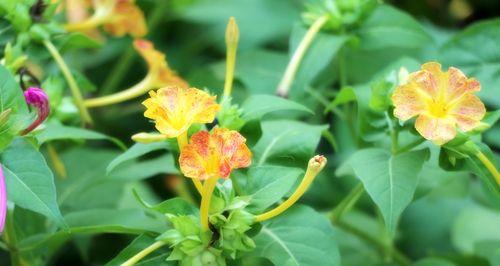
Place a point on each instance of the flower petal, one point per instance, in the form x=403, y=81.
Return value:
x=437, y=130
x=127, y=18
x=408, y=101
x=468, y=112
x=459, y=84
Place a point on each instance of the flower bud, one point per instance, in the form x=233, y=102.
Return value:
x=37, y=98
x=148, y=138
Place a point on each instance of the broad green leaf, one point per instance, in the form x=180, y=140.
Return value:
x=99, y=221
x=473, y=225
x=345, y=95
x=433, y=262
x=256, y=106
x=138, y=170
x=318, y=56
x=489, y=249
x=176, y=206
x=75, y=40
x=284, y=141
x=390, y=180
x=475, y=52
x=30, y=183
x=381, y=31
x=261, y=70
x=298, y=237
x=136, y=151
x=59, y=132
x=266, y=184
x=13, y=108
x=157, y=258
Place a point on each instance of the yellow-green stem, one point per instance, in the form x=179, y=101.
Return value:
x=143, y=253
x=232, y=37
x=135, y=91
x=92, y=22
x=298, y=55
x=73, y=86
x=489, y=165
x=206, y=196
x=316, y=164
x=182, y=140
x=56, y=161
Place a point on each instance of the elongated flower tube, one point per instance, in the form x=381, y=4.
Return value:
x=315, y=165
x=119, y=17
x=159, y=75
x=210, y=156
x=441, y=101
x=37, y=98
x=3, y=200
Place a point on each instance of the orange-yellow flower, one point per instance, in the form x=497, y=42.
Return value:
x=214, y=155
x=159, y=74
x=175, y=109
x=441, y=101
x=119, y=17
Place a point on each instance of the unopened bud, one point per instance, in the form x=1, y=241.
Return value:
x=403, y=76
x=37, y=98
x=148, y=138
x=232, y=32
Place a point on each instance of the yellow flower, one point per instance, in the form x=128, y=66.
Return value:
x=175, y=109
x=160, y=75
x=119, y=17
x=441, y=101
x=214, y=155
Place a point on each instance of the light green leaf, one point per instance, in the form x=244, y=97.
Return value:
x=138, y=170
x=490, y=249
x=266, y=184
x=299, y=237
x=380, y=31
x=60, y=132
x=256, y=106
x=473, y=225
x=289, y=142
x=475, y=52
x=29, y=181
x=390, y=180
x=136, y=151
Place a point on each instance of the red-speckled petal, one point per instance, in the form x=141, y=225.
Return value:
x=468, y=112
x=437, y=130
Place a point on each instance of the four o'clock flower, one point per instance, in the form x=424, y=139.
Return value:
x=3, y=200
x=441, y=101
x=159, y=76
x=37, y=98
x=119, y=17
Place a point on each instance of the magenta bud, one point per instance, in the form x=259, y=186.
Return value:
x=37, y=98
x=3, y=200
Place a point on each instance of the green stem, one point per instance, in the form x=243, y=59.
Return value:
x=411, y=145
x=489, y=165
x=123, y=65
x=393, y=132
x=73, y=86
x=143, y=253
x=347, y=203
x=11, y=240
x=395, y=254
x=298, y=55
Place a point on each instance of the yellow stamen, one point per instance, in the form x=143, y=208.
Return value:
x=206, y=196
x=232, y=37
x=316, y=164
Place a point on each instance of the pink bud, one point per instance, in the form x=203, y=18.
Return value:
x=37, y=98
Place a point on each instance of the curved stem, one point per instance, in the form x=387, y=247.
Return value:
x=182, y=140
x=298, y=55
x=489, y=165
x=206, y=196
x=131, y=93
x=92, y=22
x=56, y=161
x=315, y=165
x=348, y=202
x=73, y=86
x=143, y=253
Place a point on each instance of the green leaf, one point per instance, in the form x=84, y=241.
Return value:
x=75, y=40
x=256, y=106
x=138, y=170
x=390, y=180
x=266, y=184
x=175, y=206
x=345, y=95
x=288, y=142
x=98, y=221
x=475, y=52
x=490, y=249
x=318, y=56
x=59, y=132
x=136, y=151
x=301, y=236
x=30, y=183
x=473, y=225
x=157, y=258
x=380, y=31
x=433, y=262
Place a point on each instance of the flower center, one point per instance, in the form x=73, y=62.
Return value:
x=438, y=109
